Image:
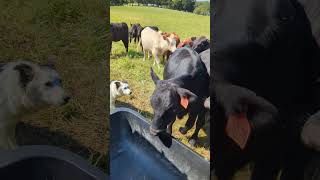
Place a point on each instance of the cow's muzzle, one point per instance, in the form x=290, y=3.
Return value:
x=155, y=132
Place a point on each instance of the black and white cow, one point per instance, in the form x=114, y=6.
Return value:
x=183, y=90
x=265, y=64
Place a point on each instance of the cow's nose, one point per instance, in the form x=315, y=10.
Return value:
x=66, y=99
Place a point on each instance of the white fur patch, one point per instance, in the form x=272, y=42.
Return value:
x=42, y=90
x=118, y=89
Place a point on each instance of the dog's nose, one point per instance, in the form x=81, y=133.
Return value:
x=66, y=99
x=130, y=92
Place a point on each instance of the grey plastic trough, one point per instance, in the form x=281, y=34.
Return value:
x=137, y=155
x=46, y=163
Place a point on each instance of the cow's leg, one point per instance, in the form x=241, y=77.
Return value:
x=150, y=54
x=156, y=58
x=169, y=128
x=126, y=44
x=199, y=125
x=144, y=54
x=189, y=124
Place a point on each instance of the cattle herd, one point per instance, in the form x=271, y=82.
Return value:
x=185, y=84
x=264, y=87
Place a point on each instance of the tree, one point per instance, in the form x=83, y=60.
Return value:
x=188, y=5
x=202, y=8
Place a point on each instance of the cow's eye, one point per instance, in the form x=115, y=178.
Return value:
x=49, y=84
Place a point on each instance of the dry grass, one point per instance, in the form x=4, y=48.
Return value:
x=74, y=32
x=137, y=72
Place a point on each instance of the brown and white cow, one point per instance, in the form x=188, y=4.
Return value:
x=172, y=35
x=154, y=42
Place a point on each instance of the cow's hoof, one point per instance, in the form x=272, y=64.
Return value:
x=193, y=142
x=183, y=130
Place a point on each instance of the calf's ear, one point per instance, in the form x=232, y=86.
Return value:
x=154, y=77
x=186, y=97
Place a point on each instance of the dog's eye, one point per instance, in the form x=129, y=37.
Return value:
x=49, y=84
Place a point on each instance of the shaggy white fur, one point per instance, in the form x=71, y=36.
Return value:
x=118, y=89
x=25, y=88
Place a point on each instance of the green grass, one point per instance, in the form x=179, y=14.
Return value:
x=74, y=32
x=131, y=67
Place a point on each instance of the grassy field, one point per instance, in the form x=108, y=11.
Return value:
x=131, y=67
x=73, y=34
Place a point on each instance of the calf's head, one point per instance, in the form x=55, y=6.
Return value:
x=171, y=42
x=167, y=100
x=244, y=112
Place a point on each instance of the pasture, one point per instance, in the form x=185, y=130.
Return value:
x=73, y=35
x=137, y=72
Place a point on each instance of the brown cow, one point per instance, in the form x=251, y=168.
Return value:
x=171, y=35
x=186, y=42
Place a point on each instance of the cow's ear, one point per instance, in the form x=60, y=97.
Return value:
x=154, y=77
x=186, y=97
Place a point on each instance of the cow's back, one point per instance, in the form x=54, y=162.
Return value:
x=149, y=38
x=119, y=31
x=263, y=47
x=185, y=61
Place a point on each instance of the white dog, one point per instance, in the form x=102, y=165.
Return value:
x=118, y=89
x=26, y=88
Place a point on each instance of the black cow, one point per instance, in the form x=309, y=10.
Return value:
x=201, y=44
x=135, y=32
x=183, y=90
x=119, y=32
x=264, y=68
x=205, y=57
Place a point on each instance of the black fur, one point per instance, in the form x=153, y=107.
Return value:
x=26, y=74
x=266, y=47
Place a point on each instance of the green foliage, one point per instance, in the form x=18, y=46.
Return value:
x=181, y=5
x=202, y=8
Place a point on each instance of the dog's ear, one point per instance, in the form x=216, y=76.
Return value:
x=154, y=77
x=118, y=84
x=26, y=73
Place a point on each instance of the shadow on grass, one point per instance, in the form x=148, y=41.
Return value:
x=31, y=135
x=118, y=55
x=135, y=54
x=204, y=142
x=131, y=54
x=145, y=114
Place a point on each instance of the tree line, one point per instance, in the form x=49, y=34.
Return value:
x=180, y=5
